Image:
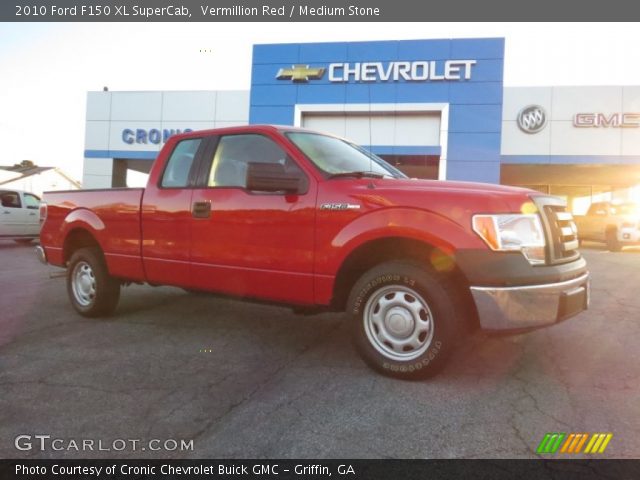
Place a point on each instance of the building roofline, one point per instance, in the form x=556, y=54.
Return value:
x=42, y=170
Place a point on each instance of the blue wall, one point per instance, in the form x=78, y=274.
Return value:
x=475, y=112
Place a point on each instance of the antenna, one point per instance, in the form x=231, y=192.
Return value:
x=371, y=184
x=370, y=129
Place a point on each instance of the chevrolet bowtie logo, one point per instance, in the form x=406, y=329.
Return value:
x=300, y=73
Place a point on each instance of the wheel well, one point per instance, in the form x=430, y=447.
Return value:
x=76, y=239
x=375, y=252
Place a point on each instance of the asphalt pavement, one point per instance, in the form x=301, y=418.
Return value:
x=180, y=375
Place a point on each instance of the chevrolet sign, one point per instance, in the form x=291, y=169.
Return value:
x=417, y=71
x=395, y=71
x=300, y=73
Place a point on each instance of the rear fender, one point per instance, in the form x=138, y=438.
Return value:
x=79, y=219
x=85, y=219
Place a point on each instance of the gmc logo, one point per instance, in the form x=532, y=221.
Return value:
x=615, y=120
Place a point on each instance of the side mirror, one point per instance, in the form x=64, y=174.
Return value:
x=272, y=177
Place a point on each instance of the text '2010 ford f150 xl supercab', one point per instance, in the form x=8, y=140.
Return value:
x=313, y=221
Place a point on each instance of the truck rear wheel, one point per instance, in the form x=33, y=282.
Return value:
x=404, y=319
x=92, y=291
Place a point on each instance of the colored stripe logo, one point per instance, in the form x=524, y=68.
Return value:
x=557, y=442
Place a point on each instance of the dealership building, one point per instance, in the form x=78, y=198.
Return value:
x=434, y=108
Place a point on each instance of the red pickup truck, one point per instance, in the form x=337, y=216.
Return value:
x=309, y=220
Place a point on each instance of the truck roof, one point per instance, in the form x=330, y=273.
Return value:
x=257, y=128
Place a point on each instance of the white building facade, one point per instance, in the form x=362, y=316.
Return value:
x=126, y=130
x=434, y=108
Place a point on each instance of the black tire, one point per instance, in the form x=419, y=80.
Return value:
x=92, y=291
x=24, y=241
x=432, y=325
x=613, y=243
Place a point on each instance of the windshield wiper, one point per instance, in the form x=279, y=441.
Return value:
x=359, y=174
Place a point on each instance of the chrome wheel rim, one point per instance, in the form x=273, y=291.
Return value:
x=83, y=284
x=398, y=323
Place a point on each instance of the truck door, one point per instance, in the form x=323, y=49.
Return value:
x=13, y=215
x=597, y=217
x=251, y=243
x=166, y=217
x=32, y=214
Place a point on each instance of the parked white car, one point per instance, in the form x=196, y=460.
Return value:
x=19, y=216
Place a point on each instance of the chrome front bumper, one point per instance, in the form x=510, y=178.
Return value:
x=532, y=306
x=629, y=235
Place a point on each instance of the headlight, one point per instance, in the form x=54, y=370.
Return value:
x=513, y=232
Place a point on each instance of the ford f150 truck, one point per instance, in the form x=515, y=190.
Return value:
x=313, y=221
x=616, y=224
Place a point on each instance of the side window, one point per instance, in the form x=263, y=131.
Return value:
x=10, y=199
x=176, y=173
x=235, y=152
x=599, y=209
x=31, y=201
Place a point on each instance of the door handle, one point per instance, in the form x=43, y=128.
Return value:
x=201, y=209
x=32, y=213
x=6, y=213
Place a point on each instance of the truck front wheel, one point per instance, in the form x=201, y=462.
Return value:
x=92, y=291
x=404, y=319
x=613, y=244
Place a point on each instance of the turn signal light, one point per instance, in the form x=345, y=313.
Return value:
x=485, y=226
x=43, y=212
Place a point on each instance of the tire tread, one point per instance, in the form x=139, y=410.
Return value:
x=441, y=293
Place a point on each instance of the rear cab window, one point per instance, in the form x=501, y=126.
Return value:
x=598, y=209
x=10, y=199
x=180, y=163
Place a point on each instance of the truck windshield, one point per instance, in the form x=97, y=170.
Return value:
x=337, y=157
x=626, y=209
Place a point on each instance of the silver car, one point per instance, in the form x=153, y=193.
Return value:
x=19, y=216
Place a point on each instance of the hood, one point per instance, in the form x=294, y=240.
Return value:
x=443, y=197
x=452, y=186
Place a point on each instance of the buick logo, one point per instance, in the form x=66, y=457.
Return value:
x=532, y=119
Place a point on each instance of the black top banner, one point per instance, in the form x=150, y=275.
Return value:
x=313, y=11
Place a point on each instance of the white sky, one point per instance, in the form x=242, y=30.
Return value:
x=46, y=69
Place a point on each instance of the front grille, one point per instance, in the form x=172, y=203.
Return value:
x=564, y=234
x=561, y=231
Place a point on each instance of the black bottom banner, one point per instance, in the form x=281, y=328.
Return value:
x=320, y=469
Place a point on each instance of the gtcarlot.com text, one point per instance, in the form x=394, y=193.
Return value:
x=45, y=443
